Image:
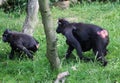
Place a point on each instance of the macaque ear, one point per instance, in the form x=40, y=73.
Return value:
x=63, y=22
x=7, y=31
x=59, y=23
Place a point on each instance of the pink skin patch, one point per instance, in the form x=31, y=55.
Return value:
x=103, y=33
x=37, y=46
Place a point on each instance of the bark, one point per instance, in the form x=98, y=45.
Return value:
x=2, y=2
x=50, y=34
x=32, y=17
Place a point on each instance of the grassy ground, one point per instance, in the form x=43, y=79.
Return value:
x=38, y=71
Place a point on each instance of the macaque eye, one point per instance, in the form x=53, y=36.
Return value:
x=5, y=35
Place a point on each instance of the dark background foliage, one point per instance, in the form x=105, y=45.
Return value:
x=19, y=6
x=14, y=6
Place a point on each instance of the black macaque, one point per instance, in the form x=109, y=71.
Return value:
x=83, y=37
x=20, y=42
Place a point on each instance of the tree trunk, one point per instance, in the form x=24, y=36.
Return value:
x=2, y=2
x=32, y=17
x=50, y=34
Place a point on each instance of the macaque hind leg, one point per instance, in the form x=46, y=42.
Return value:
x=69, y=51
x=99, y=52
x=24, y=49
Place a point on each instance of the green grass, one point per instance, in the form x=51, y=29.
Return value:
x=38, y=71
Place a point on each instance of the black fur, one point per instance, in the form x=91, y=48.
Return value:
x=20, y=42
x=83, y=37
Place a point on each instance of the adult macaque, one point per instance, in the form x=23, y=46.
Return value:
x=84, y=37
